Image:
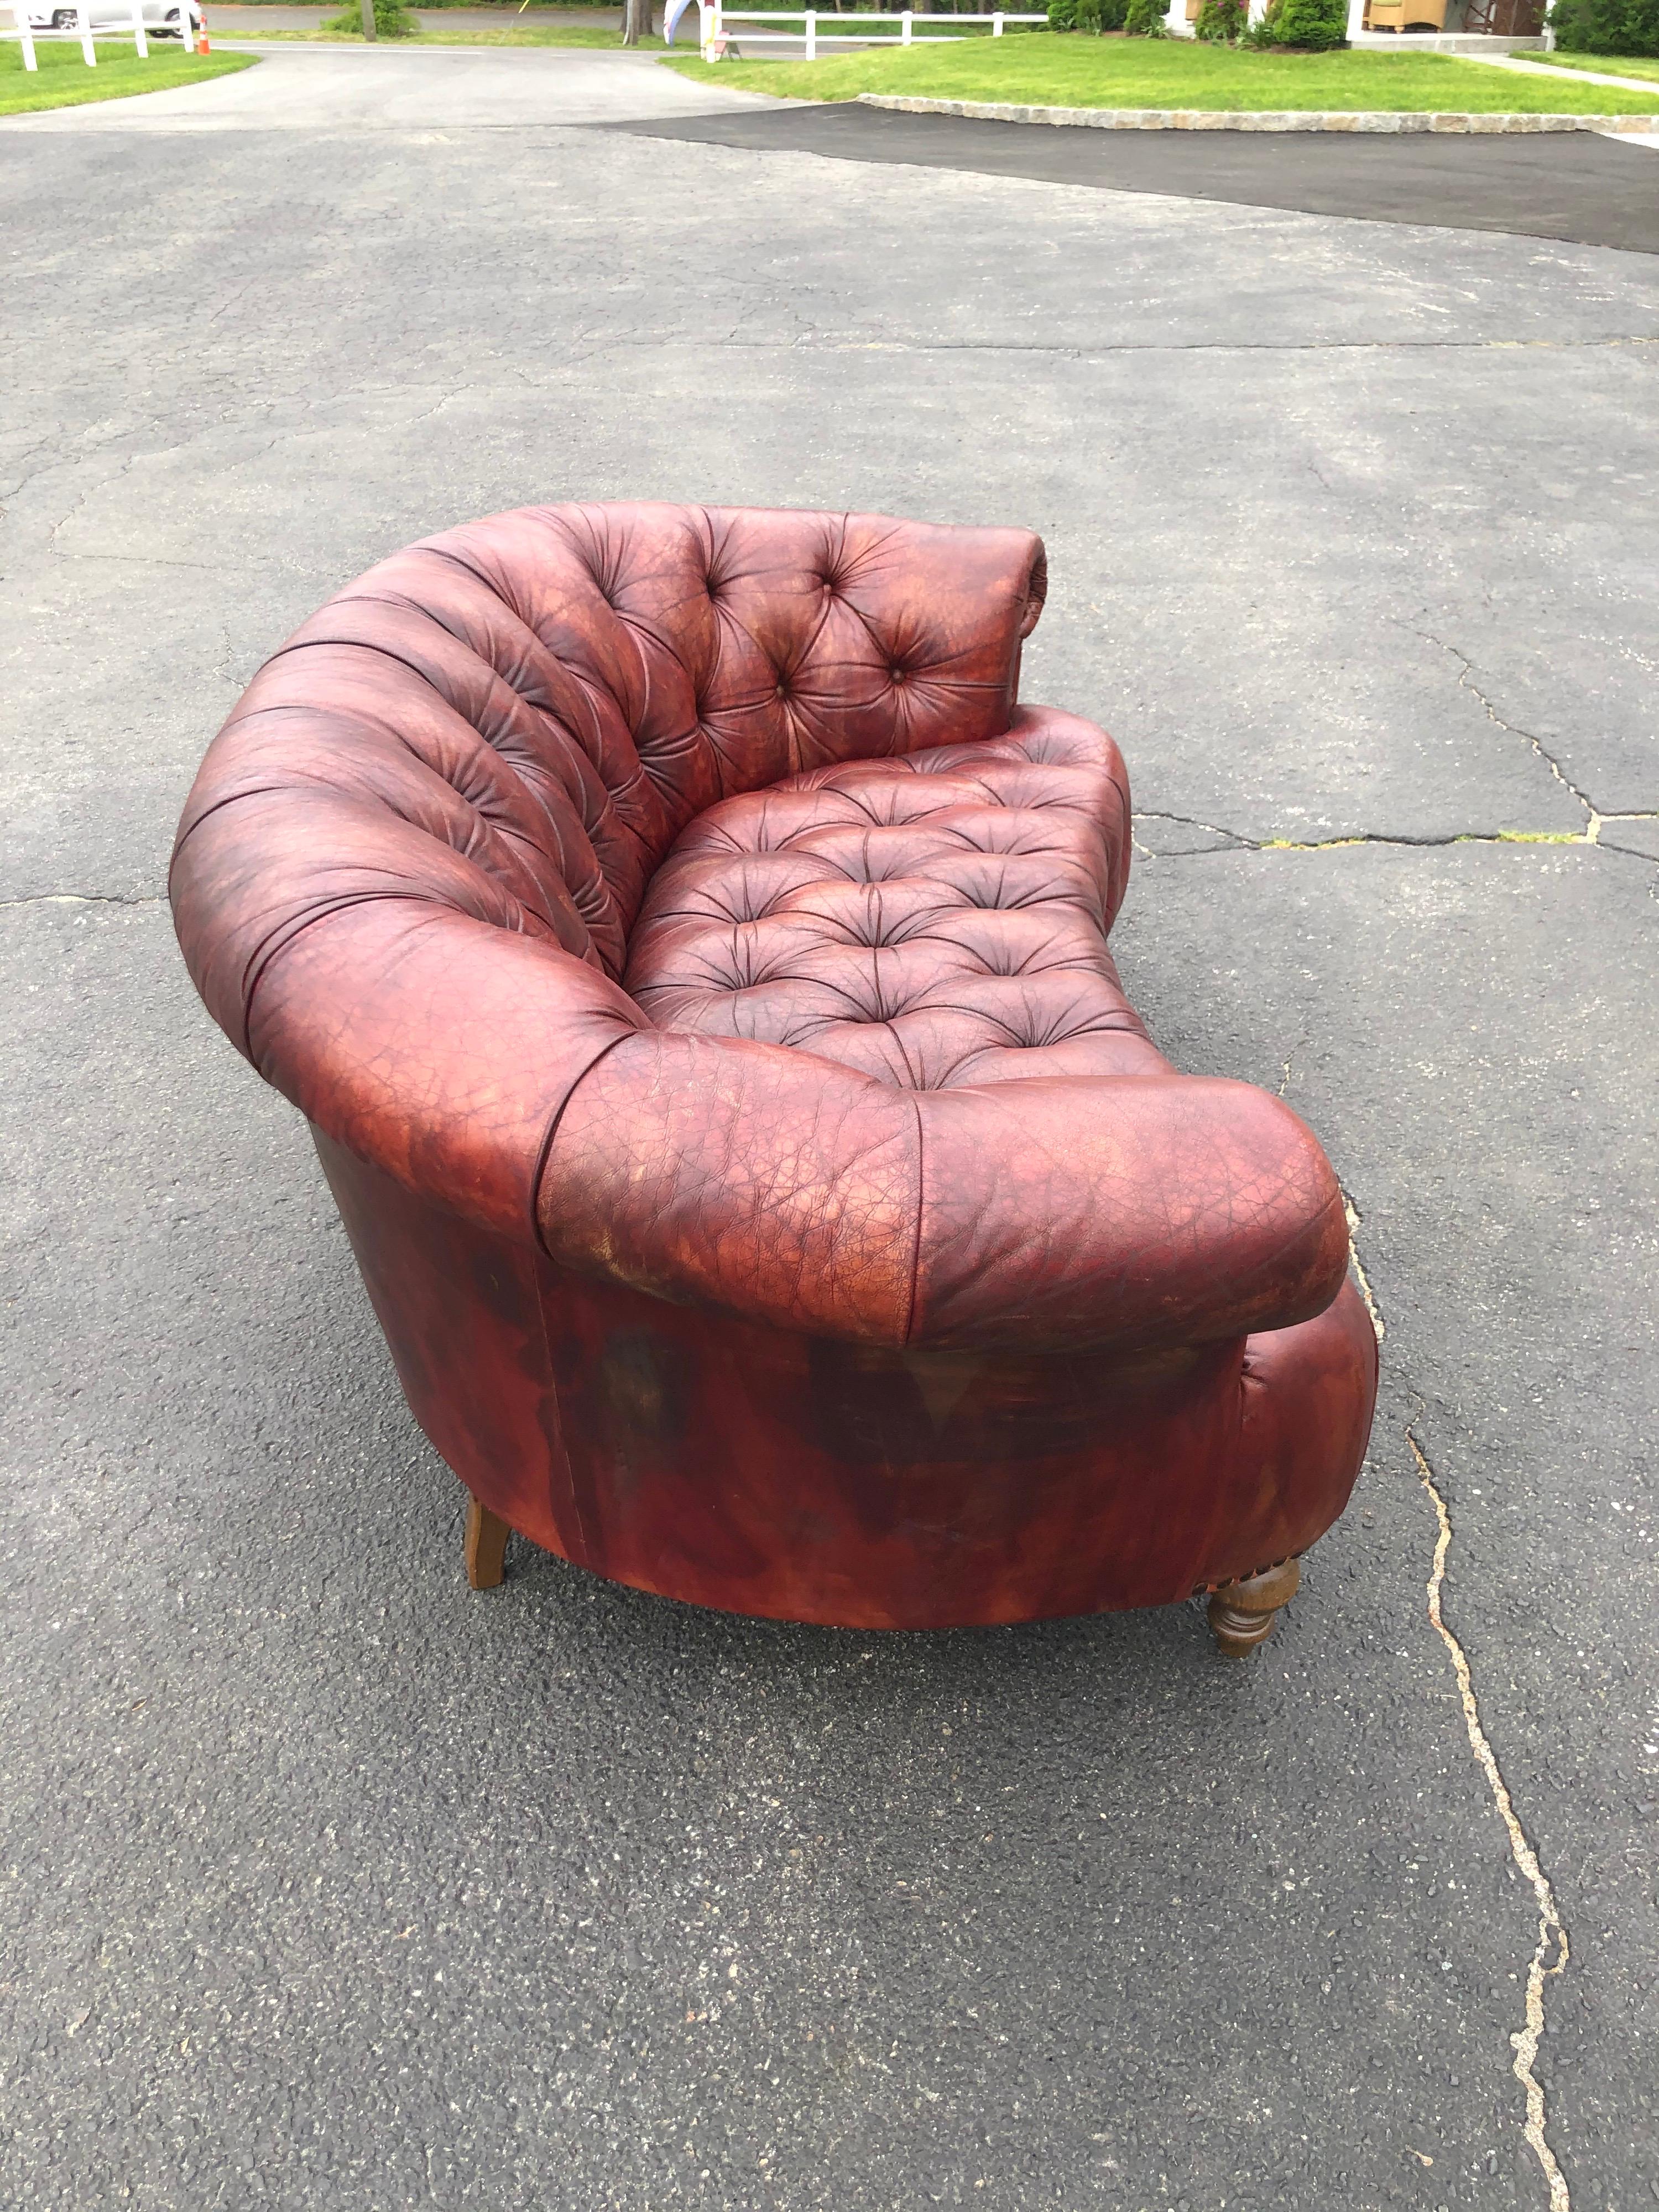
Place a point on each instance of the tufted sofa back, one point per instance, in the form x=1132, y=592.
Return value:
x=407, y=874
x=529, y=709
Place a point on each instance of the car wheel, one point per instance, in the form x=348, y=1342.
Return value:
x=62, y=19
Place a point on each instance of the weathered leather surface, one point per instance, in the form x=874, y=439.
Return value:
x=679, y=900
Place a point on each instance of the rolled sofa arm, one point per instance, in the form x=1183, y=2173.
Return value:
x=409, y=1005
x=1129, y=1211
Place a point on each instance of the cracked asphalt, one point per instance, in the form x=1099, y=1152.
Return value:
x=327, y=1884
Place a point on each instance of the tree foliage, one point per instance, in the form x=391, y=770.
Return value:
x=1606, y=27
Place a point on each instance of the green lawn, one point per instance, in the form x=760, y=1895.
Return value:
x=529, y=35
x=1048, y=70
x=862, y=23
x=1609, y=64
x=63, y=79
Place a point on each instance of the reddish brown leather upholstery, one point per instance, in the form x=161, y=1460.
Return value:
x=694, y=964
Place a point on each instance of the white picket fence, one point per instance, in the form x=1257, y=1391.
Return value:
x=713, y=17
x=27, y=38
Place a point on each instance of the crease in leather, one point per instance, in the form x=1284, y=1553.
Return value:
x=544, y=1150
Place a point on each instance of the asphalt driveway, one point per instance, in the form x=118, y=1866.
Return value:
x=330, y=1885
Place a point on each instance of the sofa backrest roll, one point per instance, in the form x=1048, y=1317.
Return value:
x=518, y=717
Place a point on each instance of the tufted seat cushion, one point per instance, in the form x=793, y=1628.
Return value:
x=933, y=921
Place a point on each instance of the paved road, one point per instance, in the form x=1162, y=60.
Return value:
x=1579, y=185
x=329, y=1885
x=357, y=89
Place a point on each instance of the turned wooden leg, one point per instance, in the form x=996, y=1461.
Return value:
x=1242, y=1614
x=486, y=1545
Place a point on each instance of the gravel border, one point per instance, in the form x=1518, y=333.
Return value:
x=1157, y=119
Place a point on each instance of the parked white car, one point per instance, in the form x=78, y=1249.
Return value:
x=161, y=17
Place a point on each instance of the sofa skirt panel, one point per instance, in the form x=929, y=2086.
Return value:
x=713, y=1460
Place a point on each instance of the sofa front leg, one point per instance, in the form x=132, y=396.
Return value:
x=1242, y=1614
x=486, y=1545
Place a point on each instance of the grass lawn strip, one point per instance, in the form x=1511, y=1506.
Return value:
x=1630, y=65
x=63, y=79
x=552, y=34
x=1047, y=69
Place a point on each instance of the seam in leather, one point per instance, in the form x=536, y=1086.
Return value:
x=916, y=1249
x=545, y=1150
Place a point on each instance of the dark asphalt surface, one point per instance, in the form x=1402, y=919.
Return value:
x=1575, y=186
x=329, y=1884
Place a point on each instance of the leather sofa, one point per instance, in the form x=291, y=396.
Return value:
x=692, y=961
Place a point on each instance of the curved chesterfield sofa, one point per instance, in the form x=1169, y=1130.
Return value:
x=693, y=964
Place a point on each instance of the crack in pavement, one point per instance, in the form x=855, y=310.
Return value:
x=1083, y=351
x=1239, y=842
x=1356, y=1222
x=88, y=898
x=1466, y=683
x=1552, y=1930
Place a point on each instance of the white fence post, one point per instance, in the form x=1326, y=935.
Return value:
x=24, y=36
x=905, y=21
x=996, y=26
x=83, y=24
x=811, y=35
x=140, y=43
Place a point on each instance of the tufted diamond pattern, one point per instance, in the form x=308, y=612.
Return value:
x=588, y=678
x=936, y=920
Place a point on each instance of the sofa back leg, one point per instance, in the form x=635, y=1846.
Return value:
x=486, y=1545
x=1242, y=1614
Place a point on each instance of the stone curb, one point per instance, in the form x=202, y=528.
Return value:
x=1156, y=119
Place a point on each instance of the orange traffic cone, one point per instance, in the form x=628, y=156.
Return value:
x=201, y=45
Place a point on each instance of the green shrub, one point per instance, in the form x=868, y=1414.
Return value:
x=1606, y=27
x=1309, y=26
x=1220, y=22
x=391, y=21
x=1095, y=15
x=1144, y=19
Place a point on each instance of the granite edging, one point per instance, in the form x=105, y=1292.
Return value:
x=1157, y=119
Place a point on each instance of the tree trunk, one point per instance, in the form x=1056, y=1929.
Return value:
x=369, y=30
x=637, y=21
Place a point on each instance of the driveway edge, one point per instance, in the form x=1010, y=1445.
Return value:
x=1155, y=119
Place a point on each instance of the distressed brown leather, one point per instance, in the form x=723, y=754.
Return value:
x=681, y=896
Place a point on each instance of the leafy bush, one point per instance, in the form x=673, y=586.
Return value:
x=1309, y=26
x=1095, y=15
x=1606, y=27
x=391, y=21
x=1220, y=22
x=1145, y=19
